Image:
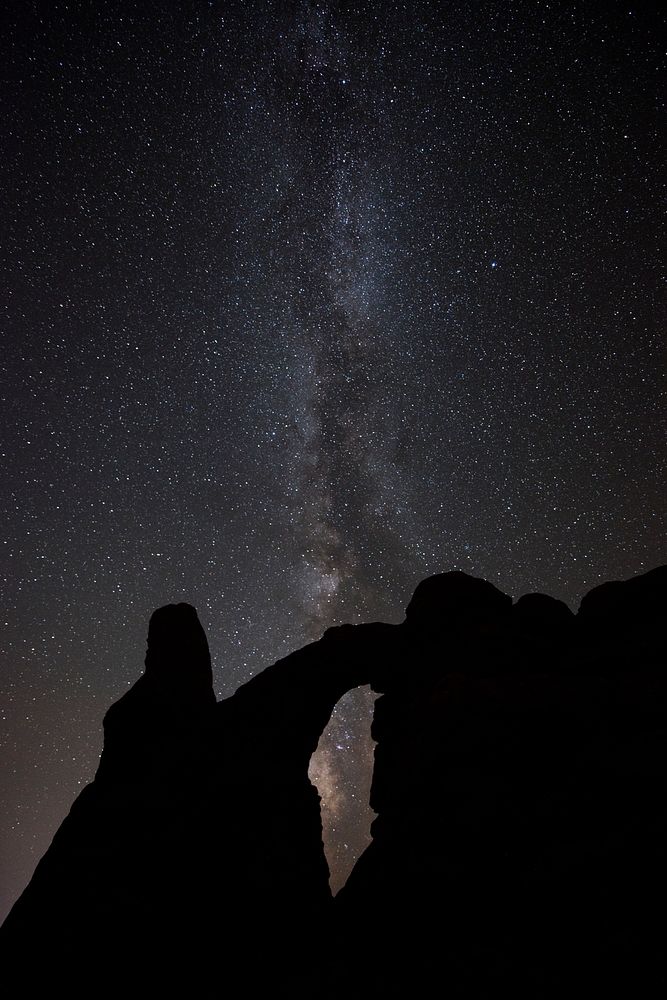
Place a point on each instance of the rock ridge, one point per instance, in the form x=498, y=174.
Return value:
x=520, y=787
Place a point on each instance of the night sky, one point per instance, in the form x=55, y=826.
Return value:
x=301, y=303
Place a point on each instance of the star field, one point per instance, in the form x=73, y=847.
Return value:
x=303, y=302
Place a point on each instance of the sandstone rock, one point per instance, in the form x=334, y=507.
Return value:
x=520, y=842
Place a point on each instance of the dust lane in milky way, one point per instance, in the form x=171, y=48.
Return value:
x=331, y=337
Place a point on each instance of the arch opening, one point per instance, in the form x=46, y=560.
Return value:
x=342, y=769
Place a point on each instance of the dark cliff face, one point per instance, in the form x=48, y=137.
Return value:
x=521, y=799
x=521, y=788
x=110, y=889
x=194, y=862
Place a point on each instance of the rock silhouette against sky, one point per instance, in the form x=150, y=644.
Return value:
x=303, y=302
x=519, y=786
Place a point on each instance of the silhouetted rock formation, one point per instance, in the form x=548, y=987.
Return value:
x=260, y=819
x=521, y=792
x=195, y=858
x=622, y=623
x=106, y=894
x=521, y=836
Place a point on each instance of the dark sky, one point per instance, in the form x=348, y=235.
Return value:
x=301, y=303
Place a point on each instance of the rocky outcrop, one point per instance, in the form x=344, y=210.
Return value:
x=193, y=863
x=107, y=894
x=260, y=819
x=521, y=789
x=521, y=797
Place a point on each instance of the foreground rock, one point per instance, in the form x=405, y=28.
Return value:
x=193, y=864
x=520, y=784
x=521, y=789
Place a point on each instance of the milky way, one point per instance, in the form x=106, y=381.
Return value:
x=304, y=302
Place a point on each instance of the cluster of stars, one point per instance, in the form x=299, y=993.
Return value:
x=304, y=304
